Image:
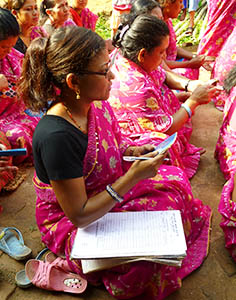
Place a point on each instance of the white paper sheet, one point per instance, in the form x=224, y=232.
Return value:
x=132, y=234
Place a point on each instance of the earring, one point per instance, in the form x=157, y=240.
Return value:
x=77, y=94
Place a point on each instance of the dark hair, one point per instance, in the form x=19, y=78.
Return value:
x=230, y=80
x=13, y=4
x=49, y=60
x=45, y=4
x=9, y=26
x=144, y=31
x=140, y=7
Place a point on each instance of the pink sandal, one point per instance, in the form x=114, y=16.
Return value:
x=50, y=276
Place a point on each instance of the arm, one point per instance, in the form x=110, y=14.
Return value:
x=201, y=95
x=3, y=82
x=182, y=53
x=178, y=82
x=194, y=63
x=72, y=197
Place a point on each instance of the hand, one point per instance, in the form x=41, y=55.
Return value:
x=146, y=168
x=5, y=162
x=182, y=96
x=3, y=82
x=202, y=94
x=196, y=62
x=139, y=150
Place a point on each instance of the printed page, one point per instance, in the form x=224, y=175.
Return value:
x=132, y=234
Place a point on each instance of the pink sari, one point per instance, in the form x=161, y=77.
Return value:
x=171, y=54
x=227, y=209
x=87, y=19
x=170, y=189
x=14, y=122
x=144, y=107
x=219, y=40
x=226, y=144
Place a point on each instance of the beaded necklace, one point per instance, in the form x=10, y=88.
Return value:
x=72, y=118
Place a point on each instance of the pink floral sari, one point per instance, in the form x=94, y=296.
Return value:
x=144, y=107
x=227, y=209
x=87, y=18
x=170, y=189
x=226, y=144
x=14, y=122
x=171, y=54
x=219, y=40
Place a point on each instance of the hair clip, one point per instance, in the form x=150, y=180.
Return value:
x=124, y=30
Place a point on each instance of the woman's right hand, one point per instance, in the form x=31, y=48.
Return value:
x=203, y=93
x=143, y=169
x=3, y=82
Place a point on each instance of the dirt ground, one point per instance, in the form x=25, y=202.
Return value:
x=214, y=280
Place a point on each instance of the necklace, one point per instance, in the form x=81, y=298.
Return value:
x=72, y=118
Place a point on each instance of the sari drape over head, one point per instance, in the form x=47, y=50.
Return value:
x=170, y=189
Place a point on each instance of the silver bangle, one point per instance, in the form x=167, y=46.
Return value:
x=188, y=109
x=114, y=194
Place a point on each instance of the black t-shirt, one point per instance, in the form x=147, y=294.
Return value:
x=59, y=149
x=20, y=46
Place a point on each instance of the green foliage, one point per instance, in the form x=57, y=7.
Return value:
x=103, y=25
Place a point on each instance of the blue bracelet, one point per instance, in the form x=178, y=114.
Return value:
x=188, y=109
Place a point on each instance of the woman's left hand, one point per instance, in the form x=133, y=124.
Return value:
x=139, y=150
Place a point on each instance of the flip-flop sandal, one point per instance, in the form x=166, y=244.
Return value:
x=21, y=278
x=47, y=276
x=13, y=245
x=58, y=261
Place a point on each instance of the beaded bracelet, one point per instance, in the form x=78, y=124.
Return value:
x=188, y=109
x=186, y=85
x=113, y=194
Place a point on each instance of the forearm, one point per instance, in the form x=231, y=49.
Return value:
x=173, y=64
x=182, y=116
x=98, y=205
x=175, y=81
x=182, y=53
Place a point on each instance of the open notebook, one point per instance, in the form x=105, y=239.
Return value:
x=123, y=237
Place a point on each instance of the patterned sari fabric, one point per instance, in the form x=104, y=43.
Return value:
x=219, y=40
x=170, y=189
x=144, y=107
x=171, y=54
x=14, y=122
x=227, y=209
x=226, y=144
x=5, y=176
x=87, y=19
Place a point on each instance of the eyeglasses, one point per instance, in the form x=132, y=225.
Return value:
x=100, y=73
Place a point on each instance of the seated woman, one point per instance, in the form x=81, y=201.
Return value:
x=17, y=126
x=226, y=144
x=191, y=63
x=141, y=96
x=226, y=154
x=78, y=150
x=81, y=15
x=219, y=40
x=26, y=13
x=54, y=14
